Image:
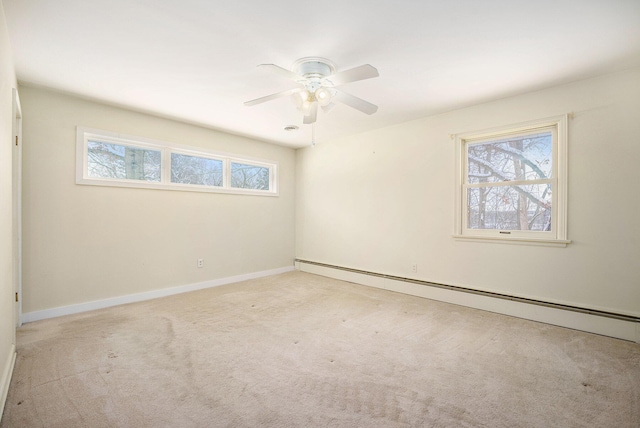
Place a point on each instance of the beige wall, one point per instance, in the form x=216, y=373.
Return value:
x=84, y=243
x=383, y=200
x=7, y=323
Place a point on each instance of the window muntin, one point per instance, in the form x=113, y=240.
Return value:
x=512, y=183
x=108, y=159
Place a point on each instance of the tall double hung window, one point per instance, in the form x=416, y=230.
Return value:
x=512, y=183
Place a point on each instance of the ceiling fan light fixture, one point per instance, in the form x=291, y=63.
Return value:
x=306, y=106
x=327, y=108
x=323, y=96
x=299, y=98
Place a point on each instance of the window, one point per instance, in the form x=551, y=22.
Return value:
x=107, y=159
x=512, y=183
x=249, y=176
x=187, y=169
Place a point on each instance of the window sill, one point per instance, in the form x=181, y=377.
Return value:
x=174, y=186
x=518, y=241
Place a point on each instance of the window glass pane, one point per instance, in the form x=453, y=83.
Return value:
x=510, y=207
x=245, y=176
x=105, y=160
x=522, y=157
x=195, y=170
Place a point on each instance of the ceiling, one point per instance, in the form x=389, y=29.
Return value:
x=195, y=60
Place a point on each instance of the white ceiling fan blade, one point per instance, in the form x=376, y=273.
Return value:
x=353, y=75
x=312, y=116
x=272, y=97
x=282, y=71
x=355, y=102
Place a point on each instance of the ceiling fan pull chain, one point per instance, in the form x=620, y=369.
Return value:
x=313, y=135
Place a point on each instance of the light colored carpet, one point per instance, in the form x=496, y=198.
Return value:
x=299, y=350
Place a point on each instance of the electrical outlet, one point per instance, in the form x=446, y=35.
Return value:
x=414, y=268
x=200, y=263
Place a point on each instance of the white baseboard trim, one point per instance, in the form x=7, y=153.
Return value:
x=138, y=297
x=5, y=380
x=618, y=328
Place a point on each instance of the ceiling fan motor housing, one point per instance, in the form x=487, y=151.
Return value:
x=314, y=67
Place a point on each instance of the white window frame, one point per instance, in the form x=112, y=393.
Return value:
x=558, y=234
x=84, y=135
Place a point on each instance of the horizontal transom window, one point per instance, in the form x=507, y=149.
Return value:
x=107, y=159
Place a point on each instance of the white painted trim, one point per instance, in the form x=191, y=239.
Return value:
x=516, y=240
x=17, y=191
x=621, y=329
x=5, y=380
x=138, y=297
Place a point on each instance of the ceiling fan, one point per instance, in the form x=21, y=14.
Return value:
x=317, y=83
